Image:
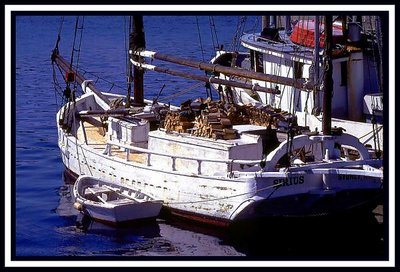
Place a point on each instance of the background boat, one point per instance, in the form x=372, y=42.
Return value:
x=284, y=48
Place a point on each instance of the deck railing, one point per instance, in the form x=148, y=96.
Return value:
x=370, y=167
x=130, y=149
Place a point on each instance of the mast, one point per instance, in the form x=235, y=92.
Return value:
x=288, y=25
x=328, y=81
x=272, y=21
x=379, y=40
x=316, y=49
x=265, y=22
x=344, y=26
x=137, y=43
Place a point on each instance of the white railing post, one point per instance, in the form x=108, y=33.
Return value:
x=230, y=168
x=128, y=151
x=173, y=164
x=108, y=149
x=199, y=167
x=148, y=159
x=132, y=149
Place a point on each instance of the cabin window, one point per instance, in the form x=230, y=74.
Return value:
x=298, y=69
x=343, y=73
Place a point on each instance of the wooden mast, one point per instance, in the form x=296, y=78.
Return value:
x=137, y=43
x=328, y=81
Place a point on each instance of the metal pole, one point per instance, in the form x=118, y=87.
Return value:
x=264, y=22
x=272, y=23
x=316, y=50
x=328, y=81
x=288, y=25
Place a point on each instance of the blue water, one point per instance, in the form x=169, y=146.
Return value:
x=45, y=222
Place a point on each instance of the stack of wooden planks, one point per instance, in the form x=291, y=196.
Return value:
x=175, y=121
x=265, y=116
x=215, y=124
x=215, y=119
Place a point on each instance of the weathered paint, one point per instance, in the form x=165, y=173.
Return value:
x=217, y=197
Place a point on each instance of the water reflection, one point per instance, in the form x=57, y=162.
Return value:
x=148, y=229
x=351, y=237
x=346, y=237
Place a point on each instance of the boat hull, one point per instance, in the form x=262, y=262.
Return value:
x=123, y=213
x=187, y=196
x=216, y=185
x=111, y=202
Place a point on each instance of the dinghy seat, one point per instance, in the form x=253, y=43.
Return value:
x=120, y=201
x=97, y=191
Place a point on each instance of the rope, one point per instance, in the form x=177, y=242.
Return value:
x=76, y=139
x=83, y=154
x=57, y=89
x=276, y=186
x=239, y=32
x=59, y=33
x=372, y=131
x=376, y=136
x=201, y=44
x=73, y=43
x=79, y=48
x=213, y=30
x=380, y=39
x=181, y=92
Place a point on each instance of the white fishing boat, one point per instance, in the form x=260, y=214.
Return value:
x=113, y=203
x=288, y=59
x=211, y=161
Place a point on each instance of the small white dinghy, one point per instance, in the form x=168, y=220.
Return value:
x=113, y=203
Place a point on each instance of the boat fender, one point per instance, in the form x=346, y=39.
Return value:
x=78, y=206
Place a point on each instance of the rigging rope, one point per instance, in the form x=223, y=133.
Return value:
x=239, y=32
x=201, y=43
x=380, y=42
x=275, y=186
x=79, y=48
x=181, y=92
x=214, y=35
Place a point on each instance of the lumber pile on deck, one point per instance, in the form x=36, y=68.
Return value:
x=215, y=119
x=215, y=124
x=175, y=121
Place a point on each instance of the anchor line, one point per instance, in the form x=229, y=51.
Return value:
x=379, y=128
x=87, y=163
x=276, y=186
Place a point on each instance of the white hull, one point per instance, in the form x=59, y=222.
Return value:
x=109, y=202
x=123, y=213
x=224, y=197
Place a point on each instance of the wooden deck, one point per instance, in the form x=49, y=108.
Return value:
x=97, y=139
